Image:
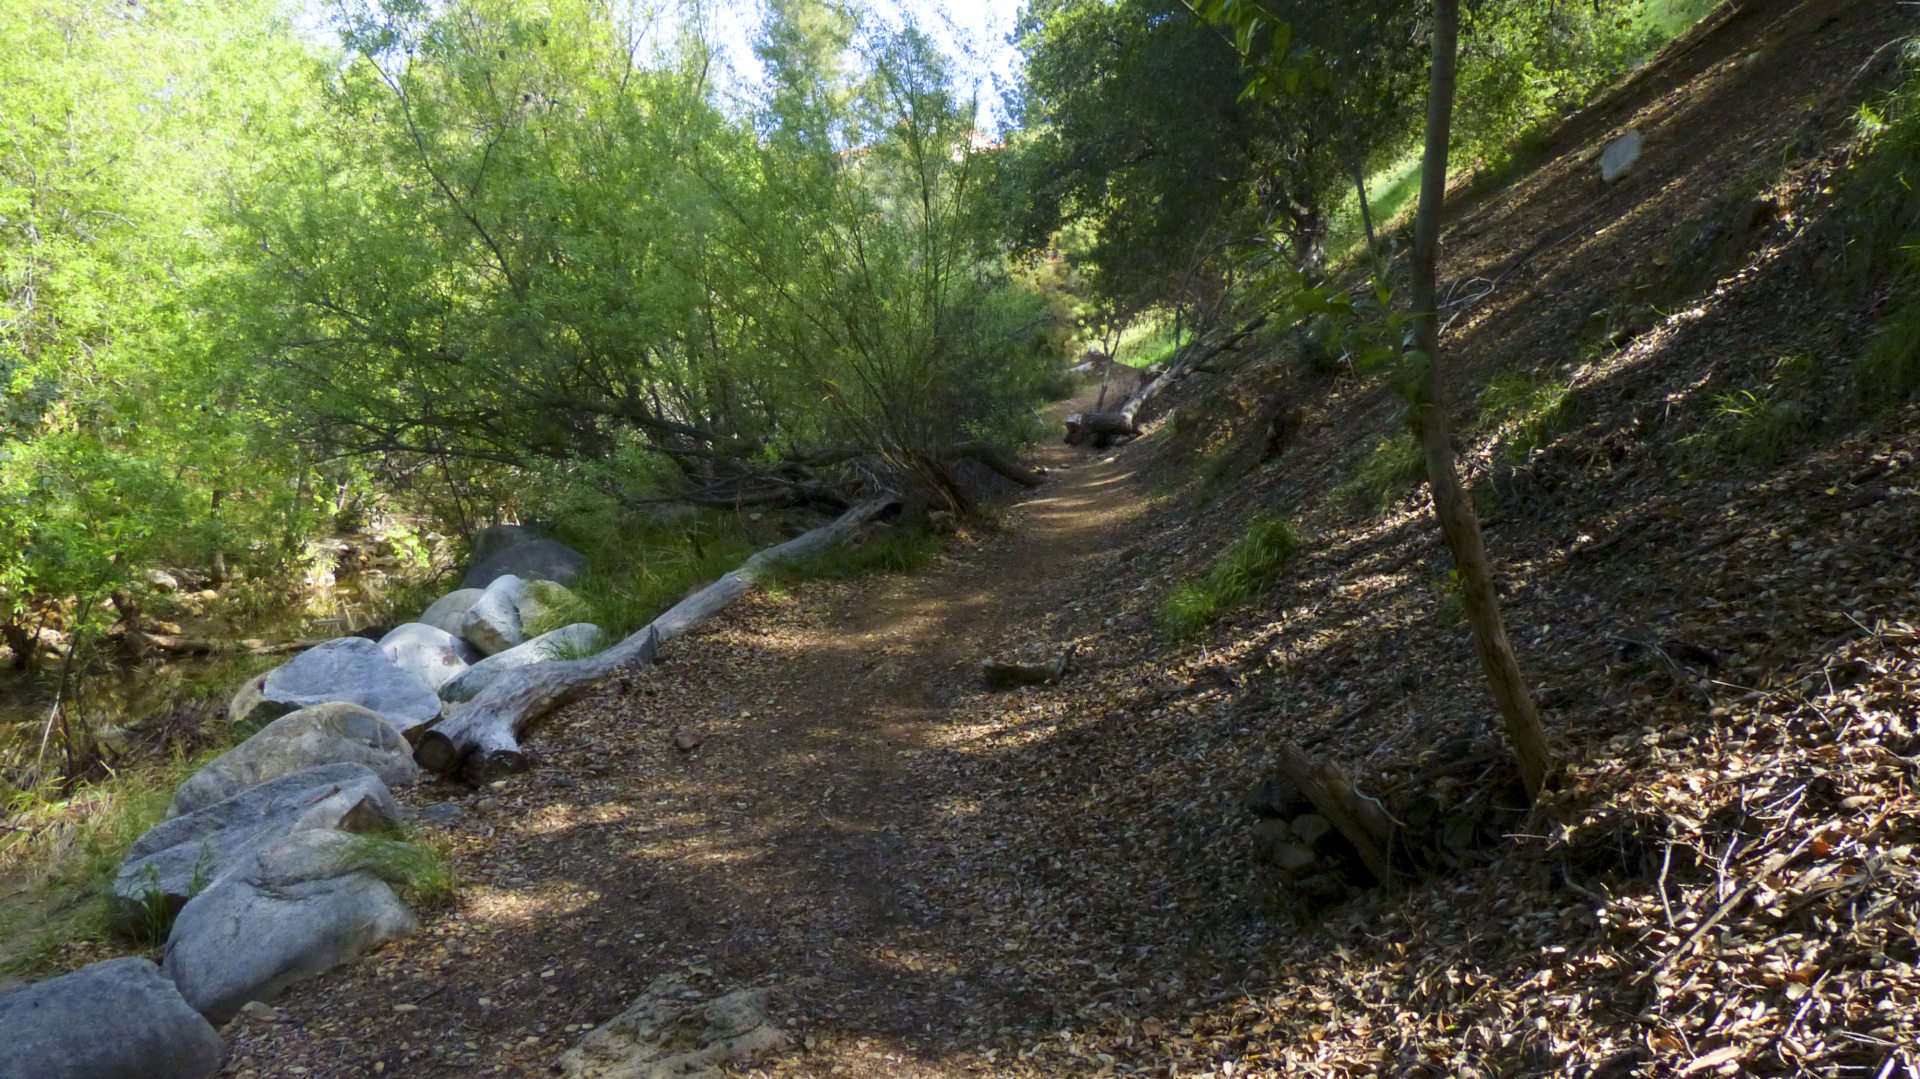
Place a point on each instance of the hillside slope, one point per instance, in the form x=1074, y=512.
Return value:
x=1067, y=880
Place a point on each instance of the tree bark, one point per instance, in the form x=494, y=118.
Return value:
x=481, y=741
x=1099, y=427
x=1362, y=820
x=1459, y=523
x=1366, y=211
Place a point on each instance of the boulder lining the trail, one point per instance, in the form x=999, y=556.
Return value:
x=110, y=1020
x=179, y=858
x=296, y=908
x=331, y=733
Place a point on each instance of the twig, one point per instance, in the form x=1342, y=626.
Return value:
x=1773, y=865
x=1665, y=863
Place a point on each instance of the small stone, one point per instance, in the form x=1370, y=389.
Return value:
x=1310, y=828
x=262, y=1013
x=1620, y=155
x=442, y=811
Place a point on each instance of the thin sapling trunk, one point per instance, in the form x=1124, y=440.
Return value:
x=1451, y=504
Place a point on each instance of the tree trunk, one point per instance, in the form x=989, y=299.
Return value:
x=25, y=644
x=481, y=741
x=1101, y=428
x=999, y=462
x=1366, y=211
x=1459, y=523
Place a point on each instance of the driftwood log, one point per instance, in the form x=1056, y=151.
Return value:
x=1100, y=428
x=1012, y=674
x=481, y=741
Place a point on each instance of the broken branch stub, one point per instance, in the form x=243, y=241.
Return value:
x=481, y=741
x=1359, y=818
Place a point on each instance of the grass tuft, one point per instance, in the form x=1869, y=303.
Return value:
x=1757, y=427
x=894, y=551
x=1523, y=413
x=422, y=873
x=1247, y=568
x=1394, y=467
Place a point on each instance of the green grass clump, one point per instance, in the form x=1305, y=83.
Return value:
x=1756, y=427
x=637, y=572
x=1150, y=340
x=60, y=850
x=1246, y=568
x=422, y=873
x=1524, y=413
x=1881, y=212
x=896, y=551
x=1394, y=467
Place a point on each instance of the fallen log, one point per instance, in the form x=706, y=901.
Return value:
x=1100, y=428
x=999, y=462
x=481, y=740
x=1011, y=674
x=1103, y=427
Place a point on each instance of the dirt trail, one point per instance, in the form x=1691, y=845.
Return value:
x=800, y=846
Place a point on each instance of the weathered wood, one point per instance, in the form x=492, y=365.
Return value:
x=1359, y=818
x=1009, y=674
x=1099, y=427
x=481, y=740
x=1102, y=427
x=999, y=462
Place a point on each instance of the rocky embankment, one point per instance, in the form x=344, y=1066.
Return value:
x=283, y=858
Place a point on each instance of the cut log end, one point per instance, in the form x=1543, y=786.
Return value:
x=436, y=753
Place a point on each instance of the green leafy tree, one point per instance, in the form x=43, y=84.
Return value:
x=121, y=131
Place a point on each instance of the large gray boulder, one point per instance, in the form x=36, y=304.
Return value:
x=302, y=906
x=249, y=703
x=429, y=653
x=179, y=858
x=331, y=733
x=575, y=641
x=112, y=1020
x=447, y=611
x=355, y=670
x=540, y=559
x=493, y=539
x=492, y=624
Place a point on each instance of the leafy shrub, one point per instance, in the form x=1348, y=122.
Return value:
x=1249, y=566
